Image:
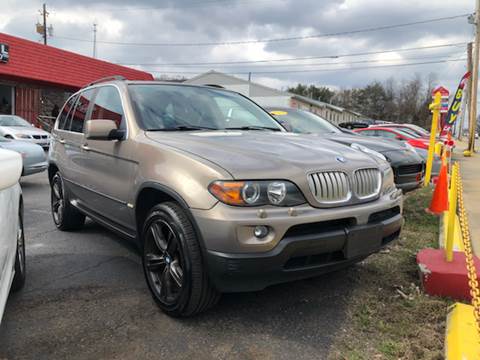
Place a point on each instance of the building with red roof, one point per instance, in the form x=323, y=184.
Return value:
x=36, y=79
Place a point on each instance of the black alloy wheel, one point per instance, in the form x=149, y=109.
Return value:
x=173, y=263
x=164, y=262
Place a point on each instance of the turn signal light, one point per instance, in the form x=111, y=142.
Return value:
x=229, y=192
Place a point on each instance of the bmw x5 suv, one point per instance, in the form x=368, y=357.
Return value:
x=215, y=193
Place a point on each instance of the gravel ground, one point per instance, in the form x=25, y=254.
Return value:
x=86, y=297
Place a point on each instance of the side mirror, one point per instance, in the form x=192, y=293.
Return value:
x=398, y=137
x=103, y=130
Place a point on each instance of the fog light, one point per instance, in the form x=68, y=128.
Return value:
x=260, y=231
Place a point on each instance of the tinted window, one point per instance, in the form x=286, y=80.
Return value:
x=108, y=106
x=62, y=120
x=80, y=112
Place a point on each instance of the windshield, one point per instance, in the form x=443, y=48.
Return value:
x=11, y=120
x=410, y=132
x=419, y=129
x=161, y=107
x=304, y=122
x=407, y=134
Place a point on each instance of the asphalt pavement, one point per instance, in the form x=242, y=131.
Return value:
x=86, y=298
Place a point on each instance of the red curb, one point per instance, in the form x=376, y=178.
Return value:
x=440, y=278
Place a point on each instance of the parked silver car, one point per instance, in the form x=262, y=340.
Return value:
x=12, y=241
x=217, y=195
x=14, y=127
x=34, y=157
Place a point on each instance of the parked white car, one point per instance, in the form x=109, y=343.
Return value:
x=17, y=128
x=12, y=241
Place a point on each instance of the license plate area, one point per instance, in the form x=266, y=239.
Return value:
x=363, y=241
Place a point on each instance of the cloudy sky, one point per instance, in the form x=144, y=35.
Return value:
x=153, y=34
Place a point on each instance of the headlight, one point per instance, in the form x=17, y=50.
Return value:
x=388, y=183
x=368, y=151
x=22, y=136
x=257, y=193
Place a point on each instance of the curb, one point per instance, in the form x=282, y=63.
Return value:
x=461, y=338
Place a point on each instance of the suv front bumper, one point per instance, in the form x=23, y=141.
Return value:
x=320, y=241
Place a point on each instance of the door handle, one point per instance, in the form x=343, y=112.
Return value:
x=85, y=147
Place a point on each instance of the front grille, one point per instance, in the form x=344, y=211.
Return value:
x=329, y=186
x=36, y=136
x=410, y=169
x=383, y=215
x=367, y=183
x=319, y=227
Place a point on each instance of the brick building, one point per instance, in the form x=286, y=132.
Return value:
x=35, y=79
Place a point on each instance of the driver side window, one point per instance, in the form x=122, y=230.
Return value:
x=108, y=106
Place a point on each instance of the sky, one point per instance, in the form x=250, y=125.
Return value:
x=330, y=27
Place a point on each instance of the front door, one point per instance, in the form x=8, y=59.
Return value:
x=108, y=165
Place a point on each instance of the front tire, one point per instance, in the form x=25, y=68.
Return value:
x=20, y=268
x=65, y=216
x=173, y=264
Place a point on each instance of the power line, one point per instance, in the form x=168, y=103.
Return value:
x=335, y=56
x=293, y=38
x=318, y=70
x=367, y=61
x=183, y=6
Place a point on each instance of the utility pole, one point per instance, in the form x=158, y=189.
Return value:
x=44, y=13
x=94, y=40
x=468, y=90
x=473, y=97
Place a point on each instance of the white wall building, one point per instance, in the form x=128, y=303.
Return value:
x=266, y=96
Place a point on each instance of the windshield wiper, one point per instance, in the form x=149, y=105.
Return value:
x=253, y=128
x=184, y=128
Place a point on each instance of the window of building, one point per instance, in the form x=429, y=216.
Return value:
x=108, y=106
x=6, y=99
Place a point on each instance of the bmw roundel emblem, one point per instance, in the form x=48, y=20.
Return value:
x=341, y=159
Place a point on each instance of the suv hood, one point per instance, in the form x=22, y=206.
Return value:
x=265, y=154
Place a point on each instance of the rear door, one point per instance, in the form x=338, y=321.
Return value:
x=73, y=140
x=58, y=150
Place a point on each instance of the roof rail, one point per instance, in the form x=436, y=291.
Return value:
x=107, y=78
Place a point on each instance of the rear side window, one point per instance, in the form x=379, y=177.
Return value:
x=80, y=113
x=108, y=106
x=64, y=116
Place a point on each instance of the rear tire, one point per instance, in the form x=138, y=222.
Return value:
x=20, y=268
x=173, y=264
x=65, y=216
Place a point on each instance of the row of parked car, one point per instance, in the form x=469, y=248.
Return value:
x=215, y=192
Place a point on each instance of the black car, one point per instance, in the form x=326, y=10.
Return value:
x=407, y=165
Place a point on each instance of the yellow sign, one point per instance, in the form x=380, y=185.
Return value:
x=278, y=112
